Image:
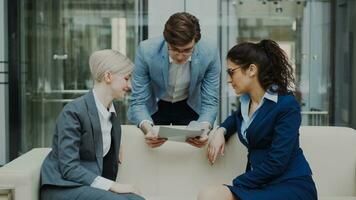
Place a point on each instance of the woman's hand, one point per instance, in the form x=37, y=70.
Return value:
x=216, y=145
x=124, y=188
x=120, y=158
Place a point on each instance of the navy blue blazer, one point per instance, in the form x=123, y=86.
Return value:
x=274, y=154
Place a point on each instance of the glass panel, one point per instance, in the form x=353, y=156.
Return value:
x=57, y=38
x=302, y=29
x=345, y=64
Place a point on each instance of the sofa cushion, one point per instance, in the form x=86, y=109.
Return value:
x=330, y=152
x=337, y=198
x=170, y=197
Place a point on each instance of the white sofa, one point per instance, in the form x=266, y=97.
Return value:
x=178, y=170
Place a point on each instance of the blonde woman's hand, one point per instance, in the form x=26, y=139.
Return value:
x=124, y=188
x=120, y=158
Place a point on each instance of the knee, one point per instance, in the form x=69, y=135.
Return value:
x=137, y=197
x=208, y=193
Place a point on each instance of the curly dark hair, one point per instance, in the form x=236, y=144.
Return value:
x=181, y=28
x=271, y=61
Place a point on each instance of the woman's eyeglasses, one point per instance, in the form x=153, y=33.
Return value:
x=231, y=71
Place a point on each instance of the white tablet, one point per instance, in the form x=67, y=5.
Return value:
x=179, y=135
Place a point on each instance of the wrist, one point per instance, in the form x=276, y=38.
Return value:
x=206, y=125
x=112, y=187
x=146, y=127
x=220, y=132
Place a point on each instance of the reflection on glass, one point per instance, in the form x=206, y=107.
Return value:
x=57, y=38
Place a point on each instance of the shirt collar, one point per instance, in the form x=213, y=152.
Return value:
x=171, y=60
x=102, y=109
x=271, y=96
x=245, y=98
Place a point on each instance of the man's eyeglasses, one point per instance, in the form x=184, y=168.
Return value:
x=185, y=52
x=231, y=71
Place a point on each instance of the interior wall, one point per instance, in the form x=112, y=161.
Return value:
x=208, y=17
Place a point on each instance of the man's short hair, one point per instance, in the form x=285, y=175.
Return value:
x=181, y=28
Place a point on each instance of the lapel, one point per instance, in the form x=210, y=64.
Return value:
x=263, y=111
x=239, y=123
x=164, y=63
x=194, y=70
x=95, y=122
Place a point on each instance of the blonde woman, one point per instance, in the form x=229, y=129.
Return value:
x=84, y=159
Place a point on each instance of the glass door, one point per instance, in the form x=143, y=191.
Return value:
x=57, y=38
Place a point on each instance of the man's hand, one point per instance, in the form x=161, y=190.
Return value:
x=198, y=142
x=202, y=140
x=151, y=135
x=124, y=188
x=216, y=145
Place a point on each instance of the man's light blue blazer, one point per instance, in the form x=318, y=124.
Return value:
x=150, y=80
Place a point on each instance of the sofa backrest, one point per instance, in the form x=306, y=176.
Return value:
x=178, y=168
x=331, y=152
x=175, y=168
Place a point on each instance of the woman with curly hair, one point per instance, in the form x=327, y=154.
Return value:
x=267, y=123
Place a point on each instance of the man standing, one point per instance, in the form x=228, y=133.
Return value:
x=175, y=80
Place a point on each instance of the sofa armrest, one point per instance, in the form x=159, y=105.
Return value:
x=5, y=194
x=22, y=175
